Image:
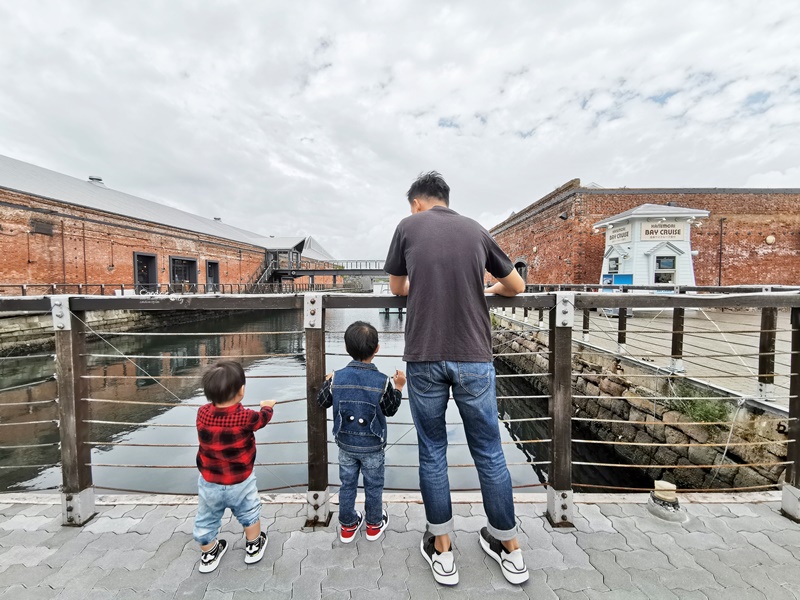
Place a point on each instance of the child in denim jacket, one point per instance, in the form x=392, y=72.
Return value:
x=362, y=397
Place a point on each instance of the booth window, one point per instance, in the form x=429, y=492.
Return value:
x=613, y=265
x=665, y=269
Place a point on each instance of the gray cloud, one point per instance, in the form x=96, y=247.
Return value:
x=308, y=118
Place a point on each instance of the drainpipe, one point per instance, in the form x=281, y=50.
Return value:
x=63, y=255
x=719, y=271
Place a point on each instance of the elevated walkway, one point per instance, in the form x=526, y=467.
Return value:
x=731, y=546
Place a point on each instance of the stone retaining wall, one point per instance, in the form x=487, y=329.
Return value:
x=609, y=387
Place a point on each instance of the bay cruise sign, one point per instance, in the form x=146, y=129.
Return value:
x=650, y=244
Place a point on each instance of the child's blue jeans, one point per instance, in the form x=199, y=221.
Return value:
x=212, y=500
x=370, y=464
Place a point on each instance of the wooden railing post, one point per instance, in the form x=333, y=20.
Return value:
x=586, y=321
x=678, y=320
x=622, y=327
x=559, y=490
x=77, y=494
x=766, y=352
x=790, y=503
x=318, y=507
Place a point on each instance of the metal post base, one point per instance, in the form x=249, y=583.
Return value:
x=560, y=507
x=77, y=508
x=318, y=509
x=790, y=502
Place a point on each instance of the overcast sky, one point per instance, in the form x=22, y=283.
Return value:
x=313, y=118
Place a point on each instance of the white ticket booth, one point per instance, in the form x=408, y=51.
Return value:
x=650, y=244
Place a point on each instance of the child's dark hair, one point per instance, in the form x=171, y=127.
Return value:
x=223, y=380
x=361, y=340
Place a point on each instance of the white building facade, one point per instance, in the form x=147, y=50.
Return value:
x=650, y=244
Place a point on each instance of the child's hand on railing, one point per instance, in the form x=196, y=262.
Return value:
x=268, y=403
x=399, y=380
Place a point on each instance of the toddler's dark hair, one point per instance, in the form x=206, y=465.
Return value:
x=361, y=340
x=223, y=380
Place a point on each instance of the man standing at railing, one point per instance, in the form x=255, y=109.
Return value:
x=438, y=259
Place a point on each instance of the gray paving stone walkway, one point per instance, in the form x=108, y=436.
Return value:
x=616, y=550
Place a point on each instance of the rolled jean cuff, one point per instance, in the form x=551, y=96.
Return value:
x=503, y=535
x=441, y=528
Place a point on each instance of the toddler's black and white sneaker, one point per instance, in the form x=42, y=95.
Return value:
x=254, y=550
x=209, y=561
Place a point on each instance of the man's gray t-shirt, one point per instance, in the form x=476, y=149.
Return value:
x=444, y=256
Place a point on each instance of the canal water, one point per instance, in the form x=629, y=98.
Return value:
x=135, y=410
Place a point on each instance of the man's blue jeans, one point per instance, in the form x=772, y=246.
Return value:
x=473, y=386
x=371, y=466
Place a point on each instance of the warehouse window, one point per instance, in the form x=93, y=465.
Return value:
x=42, y=227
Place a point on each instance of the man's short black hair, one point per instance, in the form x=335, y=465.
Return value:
x=223, y=380
x=430, y=185
x=361, y=340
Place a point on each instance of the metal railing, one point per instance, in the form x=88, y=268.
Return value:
x=541, y=329
x=164, y=289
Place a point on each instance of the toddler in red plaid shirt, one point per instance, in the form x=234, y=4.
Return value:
x=225, y=459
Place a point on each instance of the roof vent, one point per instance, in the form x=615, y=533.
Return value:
x=218, y=218
x=96, y=180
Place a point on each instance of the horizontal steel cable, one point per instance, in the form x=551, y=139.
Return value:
x=154, y=493
x=681, y=445
x=30, y=446
x=144, y=445
x=27, y=356
x=28, y=466
x=665, y=398
x=32, y=402
x=776, y=420
x=96, y=422
x=461, y=466
x=182, y=356
x=209, y=334
x=14, y=424
x=178, y=405
x=679, y=490
x=333, y=442
x=194, y=377
x=134, y=466
x=29, y=384
x=655, y=465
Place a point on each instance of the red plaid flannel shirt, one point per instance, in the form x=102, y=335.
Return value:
x=227, y=444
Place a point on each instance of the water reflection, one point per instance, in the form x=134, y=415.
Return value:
x=162, y=377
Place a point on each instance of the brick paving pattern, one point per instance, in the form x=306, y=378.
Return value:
x=725, y=551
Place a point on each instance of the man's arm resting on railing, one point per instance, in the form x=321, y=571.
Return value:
x=510, y=285
x=398, y=284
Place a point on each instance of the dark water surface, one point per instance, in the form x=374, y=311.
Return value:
x=172, y=414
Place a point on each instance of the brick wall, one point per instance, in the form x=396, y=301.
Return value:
x=92, y=247
x=567, y=251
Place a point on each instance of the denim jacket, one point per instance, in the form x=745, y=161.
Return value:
x=359, y=425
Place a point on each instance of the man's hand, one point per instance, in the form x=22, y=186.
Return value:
x=328, y=376
x=399, y=380
x=510, y=285
x=267, y=403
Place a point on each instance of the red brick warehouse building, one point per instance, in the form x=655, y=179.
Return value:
x=751, y=236
x=56, y=229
